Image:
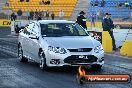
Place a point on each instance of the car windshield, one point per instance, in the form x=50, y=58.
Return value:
x=62, y=29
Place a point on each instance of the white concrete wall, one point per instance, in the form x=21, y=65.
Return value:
x=121, y=35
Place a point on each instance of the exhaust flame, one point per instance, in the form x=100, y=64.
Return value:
x=81, y=71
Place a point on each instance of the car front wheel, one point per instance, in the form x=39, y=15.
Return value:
x=42, y=63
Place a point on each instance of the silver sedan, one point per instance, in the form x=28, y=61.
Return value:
x=59, y=43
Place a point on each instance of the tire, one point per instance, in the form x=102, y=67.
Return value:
x=96, y=67
x=42, y=62
x=20, y=54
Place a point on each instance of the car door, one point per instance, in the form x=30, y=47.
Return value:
x=25, y=40
x=35, y=43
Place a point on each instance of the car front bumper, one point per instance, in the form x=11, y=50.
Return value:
x=73, y=59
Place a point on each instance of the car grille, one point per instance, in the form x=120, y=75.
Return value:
x=80, y=50
x=74, y=59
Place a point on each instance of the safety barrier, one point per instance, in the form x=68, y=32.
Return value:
x=106, y=41
x=97, y=24
x=5, y=23
x=126, y=48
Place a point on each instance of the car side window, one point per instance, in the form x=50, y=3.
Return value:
x=35, y=29
x=31, y=25
x=25, y=31
x=28, y=28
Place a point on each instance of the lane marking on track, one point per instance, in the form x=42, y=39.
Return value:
x=118, y=56
x=12, y=36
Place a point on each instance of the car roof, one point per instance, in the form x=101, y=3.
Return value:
x=54, y=21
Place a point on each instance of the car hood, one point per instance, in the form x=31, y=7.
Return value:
x=72, y=42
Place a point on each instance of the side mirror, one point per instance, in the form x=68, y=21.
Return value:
x=33, y=36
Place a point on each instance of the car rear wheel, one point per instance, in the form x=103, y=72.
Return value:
x=20, y=54
x=42, y=63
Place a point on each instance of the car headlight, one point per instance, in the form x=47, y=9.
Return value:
x=57, y=50
x=97, y=49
